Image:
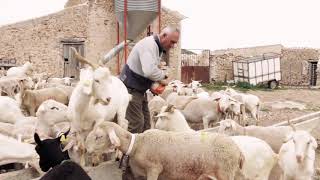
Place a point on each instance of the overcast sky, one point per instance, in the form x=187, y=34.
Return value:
x=216, y=24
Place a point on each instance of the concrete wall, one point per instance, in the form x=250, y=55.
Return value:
x=93, y=21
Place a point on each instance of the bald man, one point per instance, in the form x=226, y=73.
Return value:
x=141, y=71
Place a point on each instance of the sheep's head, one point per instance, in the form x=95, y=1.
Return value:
x=98, y=83
x=303, y=144
x=102, y=85
x=86, y=80
x=51, y=111
x=195, y=84
x=227, y=126
x=230, y=91
x=171, y=119
x=235, y=106
x=50, y=151
x=102, y=138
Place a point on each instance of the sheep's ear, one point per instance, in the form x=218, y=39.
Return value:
x=288, y=138
x=37, y=139
x=314, y=143
x=69, y=145
x=170, y=108
x=159, y=115
x=114, y=138
x=216, y=99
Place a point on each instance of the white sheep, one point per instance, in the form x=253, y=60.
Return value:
x=98, y=97
x=208, y=110
x=297, y=156
x=155, y=105
x=9, y=110
x=13, y=151
x=273, y=135
x=252, y=103
x=179, y=101
x=258, y=155
x=157, y=154
x=171, y=119
x=32, y=99
x=21, y=71
x=52, y=118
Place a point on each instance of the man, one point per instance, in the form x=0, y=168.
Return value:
x=141, y=71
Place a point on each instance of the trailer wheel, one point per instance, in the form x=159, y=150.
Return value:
x=273, y=84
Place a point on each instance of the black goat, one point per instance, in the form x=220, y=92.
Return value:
x=52, y=156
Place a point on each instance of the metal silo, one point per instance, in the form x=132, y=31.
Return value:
x=140, y=13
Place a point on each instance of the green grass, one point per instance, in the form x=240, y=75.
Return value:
x=240, y=86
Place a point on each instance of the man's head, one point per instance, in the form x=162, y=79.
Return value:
x=169, y=36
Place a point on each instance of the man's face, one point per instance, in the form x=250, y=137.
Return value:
x=169, y=40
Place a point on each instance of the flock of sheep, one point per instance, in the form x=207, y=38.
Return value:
x=93, y=110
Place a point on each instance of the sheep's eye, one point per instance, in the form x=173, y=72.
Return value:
x=97, y=81
x=98, y=137
x=53, y=108
x=309, y=142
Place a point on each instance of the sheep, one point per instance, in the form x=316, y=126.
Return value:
x=9, y=110
x=196, y=86
x=179, y=101
x=84, y=112
x=273, y=135
x=32, y=99
x=252, y=103
x=21, y=71
x=62, y=81
x=109, y=89
x=10, y=86
x=13, y=151
x=155, y=106
x=51, y=115
x=171, y=119
x=52, y=156
x=297, y=156
x=205, y=110
x=158, y=154
x=258, y=155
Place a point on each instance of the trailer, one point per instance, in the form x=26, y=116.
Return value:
x=258, y=69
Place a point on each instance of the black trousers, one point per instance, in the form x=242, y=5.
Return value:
x=138, y=116
x=138, y=113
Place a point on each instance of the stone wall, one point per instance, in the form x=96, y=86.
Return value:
x=93, y=21
x=295, y=66
x=39, y=40
x=221, y=67
x=221, y=60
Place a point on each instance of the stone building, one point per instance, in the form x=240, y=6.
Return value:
x=298, y=65
x=88, y=25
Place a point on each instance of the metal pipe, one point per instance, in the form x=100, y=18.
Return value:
x=159, y=12
x=125, y=28
x=118, y=56
x=114, y=51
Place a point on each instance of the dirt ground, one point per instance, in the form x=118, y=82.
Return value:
x=303, y=97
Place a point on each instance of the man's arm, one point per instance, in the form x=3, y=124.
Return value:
x=149, y=64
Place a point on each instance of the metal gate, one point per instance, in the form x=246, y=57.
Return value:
x=313, y=73
x=189, y=73
x=195, y=65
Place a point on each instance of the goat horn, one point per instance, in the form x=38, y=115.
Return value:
x=291, y=125
x=79, y=58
